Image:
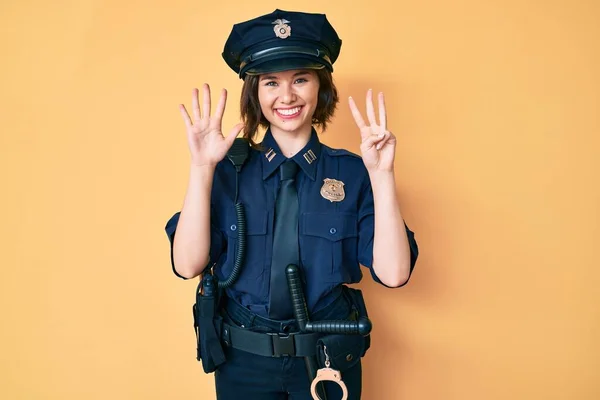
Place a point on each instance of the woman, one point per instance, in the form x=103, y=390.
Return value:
x=326, y=210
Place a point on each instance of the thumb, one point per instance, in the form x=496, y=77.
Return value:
x=233, y=134
x=370, y=141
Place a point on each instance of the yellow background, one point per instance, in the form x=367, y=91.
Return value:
x=496, y=107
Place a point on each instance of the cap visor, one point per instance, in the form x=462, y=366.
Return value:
x=283, y=64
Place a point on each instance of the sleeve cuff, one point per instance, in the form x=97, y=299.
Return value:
x=414, y=254
x=170, y=229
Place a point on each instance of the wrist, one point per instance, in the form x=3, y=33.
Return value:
x=202, y=173
x=381, y=174
x=383, y=181
x=203, y=168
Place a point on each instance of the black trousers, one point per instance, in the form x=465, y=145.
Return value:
x=252, y=377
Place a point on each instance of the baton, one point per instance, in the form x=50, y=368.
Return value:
x=301, y=315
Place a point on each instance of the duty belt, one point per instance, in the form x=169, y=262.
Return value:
x=270, y=344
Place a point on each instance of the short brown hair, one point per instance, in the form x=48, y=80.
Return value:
x=253, y=118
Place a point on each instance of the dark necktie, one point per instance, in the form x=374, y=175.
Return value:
x=285, y=242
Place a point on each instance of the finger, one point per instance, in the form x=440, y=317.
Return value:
x=360, y=122
x=371, y=109
x=221, y=105
x=370, y=141
x=388, y=138
x=384, y=140
x=206, y=101
x=378, y=138
x=380, y=145
x=382, y=115
x=195, y=105
x=233, y=133
x=186, y=116
x=392, y=138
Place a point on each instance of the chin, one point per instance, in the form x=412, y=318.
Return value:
x=289, y=126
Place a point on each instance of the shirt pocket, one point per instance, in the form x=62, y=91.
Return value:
x=256, y=239
x=330, y=243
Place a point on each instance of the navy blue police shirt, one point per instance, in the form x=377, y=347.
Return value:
x=335, y=237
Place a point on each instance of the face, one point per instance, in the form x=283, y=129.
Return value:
x=288, y=99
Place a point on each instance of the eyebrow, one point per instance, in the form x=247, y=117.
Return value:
x=274, y=77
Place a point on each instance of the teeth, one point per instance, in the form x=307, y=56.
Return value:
x=291, y=111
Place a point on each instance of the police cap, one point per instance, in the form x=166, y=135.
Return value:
x=282, y=40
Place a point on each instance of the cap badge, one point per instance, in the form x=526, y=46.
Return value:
x=282, y=30
x=333, y=190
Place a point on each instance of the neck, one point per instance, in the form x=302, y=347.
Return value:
x=291, y=142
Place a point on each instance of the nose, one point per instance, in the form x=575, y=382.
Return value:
x=287, y=94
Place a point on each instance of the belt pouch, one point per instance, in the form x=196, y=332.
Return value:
x=359, y=309
x=207, y=326
x=344, y=351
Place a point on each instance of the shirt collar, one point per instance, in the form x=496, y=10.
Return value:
x=307, y=158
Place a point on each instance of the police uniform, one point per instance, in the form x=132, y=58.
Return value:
x=335, y=218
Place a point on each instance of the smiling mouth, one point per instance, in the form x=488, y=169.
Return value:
x=288, y=112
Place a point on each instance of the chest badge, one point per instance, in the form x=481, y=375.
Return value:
x=333, y=190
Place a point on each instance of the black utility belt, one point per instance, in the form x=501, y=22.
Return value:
x=346, y=340
x=344, y=350
x=270, y=344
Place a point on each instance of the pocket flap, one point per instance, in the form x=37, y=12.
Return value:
x=331, y=226
x=344, y=350
x=256, y=222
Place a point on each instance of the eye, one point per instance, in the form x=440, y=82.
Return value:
x=270, y=83
x=301, y=80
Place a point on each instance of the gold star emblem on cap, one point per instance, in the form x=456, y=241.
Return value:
x=282, y=30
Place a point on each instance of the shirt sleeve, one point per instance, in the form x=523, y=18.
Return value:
x=366, y=235
x=217, y=241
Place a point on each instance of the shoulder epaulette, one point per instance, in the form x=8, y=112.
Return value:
x=340, y=152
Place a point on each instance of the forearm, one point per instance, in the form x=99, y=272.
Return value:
x=391, y=250
x=191, y=244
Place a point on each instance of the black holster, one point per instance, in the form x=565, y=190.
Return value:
x=208, y=325
x=345, y=351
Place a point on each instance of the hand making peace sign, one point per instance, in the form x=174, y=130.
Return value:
x=378, y=145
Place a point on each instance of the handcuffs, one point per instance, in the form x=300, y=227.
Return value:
x=328, y=374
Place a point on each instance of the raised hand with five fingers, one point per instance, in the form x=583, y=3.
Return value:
x=207, y=144
x=378, y=145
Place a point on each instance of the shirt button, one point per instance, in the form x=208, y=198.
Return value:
x=333, y=231
x=233, y=227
